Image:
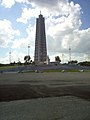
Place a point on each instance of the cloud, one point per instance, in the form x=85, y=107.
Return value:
x=20, y=43
x=7, y=33
x=23, y=42
x=41, y=3
x=15, y=56
x=27, y=14
x=84, y=44
x=47, y=3
x=48, y=8
x=62, y=28
x=10, y=3
x=63, y=22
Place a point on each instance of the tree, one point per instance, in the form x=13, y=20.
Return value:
x=19, y=63
x=57, y=59
x=27, y=58
x=85, y=63
x=73, y=62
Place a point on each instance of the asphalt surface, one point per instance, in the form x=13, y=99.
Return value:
x=45, y=96
x=20, y=86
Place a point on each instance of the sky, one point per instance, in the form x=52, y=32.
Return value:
x=67, y=25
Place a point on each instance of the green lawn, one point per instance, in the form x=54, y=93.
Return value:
x=7, y=67
x=60, y=70
x=64, y=71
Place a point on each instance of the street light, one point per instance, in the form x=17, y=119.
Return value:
x=10, y=57
x=63, y=57
x=28, y=49
x=69, y=54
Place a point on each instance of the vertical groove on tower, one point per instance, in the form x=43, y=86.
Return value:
x=40, y=41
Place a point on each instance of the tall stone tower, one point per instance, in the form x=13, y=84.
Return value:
x=40, y=41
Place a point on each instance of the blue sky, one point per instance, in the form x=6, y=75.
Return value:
x=67, y=25
x=85, y=17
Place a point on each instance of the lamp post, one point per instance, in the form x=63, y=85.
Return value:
x=28, y=49
x=63, y=57
x=10, y=57
x=69, y=54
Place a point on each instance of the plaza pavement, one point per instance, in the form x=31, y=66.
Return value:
x=45, y=96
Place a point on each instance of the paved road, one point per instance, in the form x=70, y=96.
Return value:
x=60, y=96
x=15, y=86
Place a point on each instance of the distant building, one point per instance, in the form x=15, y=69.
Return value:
x=48, y=60
x=40, y=41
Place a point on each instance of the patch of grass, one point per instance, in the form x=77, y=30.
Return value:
x=64, y=70
x=7, y=67
x=52, y=70
x=28, y=71
x=87, y=70
x=72, y=71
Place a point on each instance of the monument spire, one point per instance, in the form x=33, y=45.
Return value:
x=40, y=41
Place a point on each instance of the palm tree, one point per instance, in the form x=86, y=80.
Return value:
x=57, y=59
x=27, y=58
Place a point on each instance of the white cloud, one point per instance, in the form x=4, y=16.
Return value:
x=21, y=1
x=48, y=4
x=16, y=55
x=62, y=25
x=20, y=43
x=7, y=33
x=27, y=13
x=63, y=21
x=23, y=42
x=62, y=29
x=31, y=34
x=10, y=3
x=84, y=44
